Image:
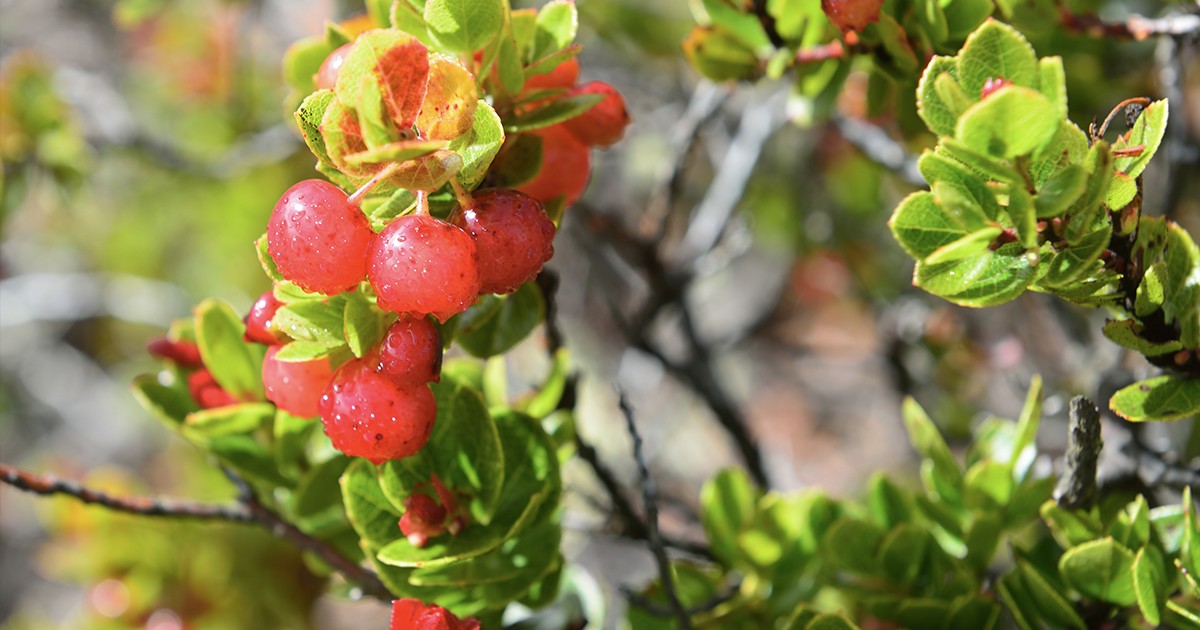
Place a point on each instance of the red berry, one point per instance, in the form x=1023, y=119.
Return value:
x=258, y=320
x=566, y=166
x=185, y=354
x=411, y=352
x=206, y=392
x=366, y=414
x=327, y=76
x=603, y=124
x=318, y=239
x=424, y=266
x=413, y=614
x=564, y=75
x=852, y=15
x=423, y=519
x=513, y=235
x=991, y=85
x=295, y=386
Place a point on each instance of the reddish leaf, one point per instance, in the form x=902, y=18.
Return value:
x=449, y=107
x=397, y=63
x=343, y=137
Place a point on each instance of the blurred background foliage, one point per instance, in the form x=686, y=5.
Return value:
x=144, y=143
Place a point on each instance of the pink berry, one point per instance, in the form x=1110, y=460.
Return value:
x=295, y=386
x=424, y=266
x=604, y=124
x=258, y=320
x=184, y=353
x=207, y=393
x=513, y=235
x=366, y=414
x=423, y=519
x=411, y=351
x=328, y=73
x=317, y=239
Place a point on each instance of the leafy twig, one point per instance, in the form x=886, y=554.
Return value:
x=247, y=510
x=650, y=500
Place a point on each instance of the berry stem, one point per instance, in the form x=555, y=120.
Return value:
x=464, y=198
x=422, y=203
x=358, y=195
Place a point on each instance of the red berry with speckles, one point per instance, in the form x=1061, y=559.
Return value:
x=566, y=166
x=328, y=73
x=424, y=266
x=258, y=320
x=564, y=75
x=411, y=351
x=295, y=386
x=317, y=239
x=852, y=15
x=603, y=124
x=513, y=235
x=367, y=414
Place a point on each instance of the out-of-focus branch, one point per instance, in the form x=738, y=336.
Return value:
x=650, y=503
x=247, y=510
x=1077, y=486
x=1133, y=27
x=879, y=147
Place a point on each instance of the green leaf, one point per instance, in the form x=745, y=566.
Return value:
x=1068, y=145
x=902, y=553
x=464, y=26
x=407, y=15
x=830, y=621
x=317, y=321
x=479, y=147
x=1024, y=217
x=1149, y=583
x=989, y=485
x=169, y=404
x=1069, y=527
x=1101, y=569
x=991, y=278
x=1052, y=83
x=320, y=488
x=550, y=394
x=940, y=108
x=887, y=503
x=997, y=50
x=928, y=441
x=527, y=557
x=237, y=419
x=973, y=612
x=1127, y=333
x=1081, y=258
x=464, y=450
x=1010, y=122
x=554, y=28
x=1189, y=545
x=290, y=437
x=309, y=350
x=981, y=538
x=1060, y=190
x=302, y=60
x=309, y=118
x=370, y=512
x=362, y=324
x=245, y=455
x=727, y=505
x=1166, y=397
x=1181, y=284
x=1048, y=599
x=495, y=324
x=719, y=55
x=264, y=259
x=1018, y=600
x=922, y=227
x=1027, y=424
x=235, y=364
x=1121, y=190
x=401, y=151
x=554, y=112
x=960, y=199
x=981, y=164
x=1148, y=131
x=531, y=489
x=851, y=544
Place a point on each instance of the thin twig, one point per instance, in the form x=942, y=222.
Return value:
x=1077, y=485
x=650, y=500
x=658, y=610
x=879, y=147
x=248, y=510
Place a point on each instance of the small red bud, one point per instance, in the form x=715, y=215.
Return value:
x=991, y=85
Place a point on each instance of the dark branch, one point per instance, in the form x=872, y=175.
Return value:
x=248, y=510
x=1077, y=485
x=650, y=499
x=768, y=23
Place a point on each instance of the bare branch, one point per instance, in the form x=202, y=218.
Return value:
x=1134, y=27
x=650, y=501
x=1077, y=486
x=879, y=147
x=248, y=510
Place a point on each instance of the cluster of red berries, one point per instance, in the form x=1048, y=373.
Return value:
x=413, y=614
x=380, y=407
